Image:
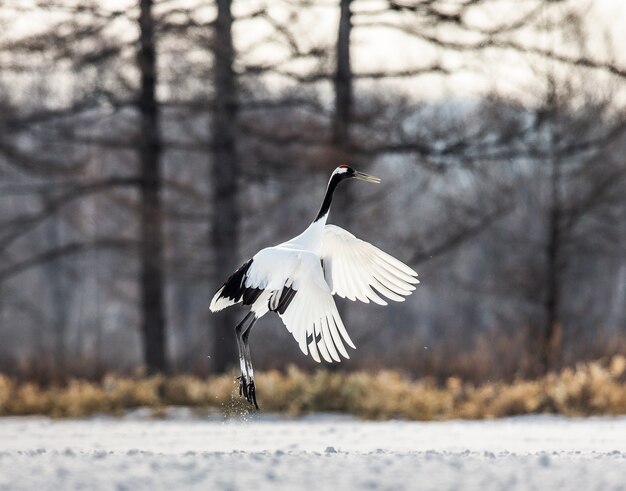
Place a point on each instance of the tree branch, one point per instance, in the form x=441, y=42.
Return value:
x=65, y=250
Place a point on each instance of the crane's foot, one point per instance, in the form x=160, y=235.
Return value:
x=252, y=394
x=243, y=386
x=247, y=390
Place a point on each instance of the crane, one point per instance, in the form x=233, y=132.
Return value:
x=298, y=278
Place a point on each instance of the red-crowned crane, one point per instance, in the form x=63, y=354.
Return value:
x=298, y=278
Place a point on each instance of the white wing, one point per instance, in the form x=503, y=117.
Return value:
x=357, y=270
x=311, y=315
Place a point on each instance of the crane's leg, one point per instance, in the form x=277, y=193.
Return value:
x=246, y=350
x=243, y=379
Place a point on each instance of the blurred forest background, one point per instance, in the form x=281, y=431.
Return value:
x=149, y=147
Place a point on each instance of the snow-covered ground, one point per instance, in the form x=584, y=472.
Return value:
x=312, y=453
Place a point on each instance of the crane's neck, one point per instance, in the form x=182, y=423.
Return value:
x=322, y=214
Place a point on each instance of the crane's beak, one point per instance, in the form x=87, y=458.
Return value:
x=366, y=177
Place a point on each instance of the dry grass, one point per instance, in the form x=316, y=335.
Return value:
x=597, y=388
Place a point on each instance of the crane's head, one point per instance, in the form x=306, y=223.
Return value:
x=347, y=172
x=341, y=173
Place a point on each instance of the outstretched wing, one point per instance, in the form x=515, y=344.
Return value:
x=357, y=270
x=312, y=317
x=291, y=283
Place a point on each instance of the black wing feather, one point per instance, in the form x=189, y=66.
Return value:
x=286, y=296
x=235, y=289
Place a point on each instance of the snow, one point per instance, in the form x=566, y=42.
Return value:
x=312, y=453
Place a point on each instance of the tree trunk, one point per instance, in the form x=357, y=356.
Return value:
x=554, y=270
x=224, y=234
x=342, y=117
x=60, y=305
x=343, y=80
x=618, y=303
x=551, y=331
x=151, y=214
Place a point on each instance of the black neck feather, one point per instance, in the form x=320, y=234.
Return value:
x=328, y=197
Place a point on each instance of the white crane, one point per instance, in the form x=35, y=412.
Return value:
x=298, y=278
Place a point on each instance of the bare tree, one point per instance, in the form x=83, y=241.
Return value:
x=568, y=200
x=66, y=40
x=225, y=170
x=151, y=209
